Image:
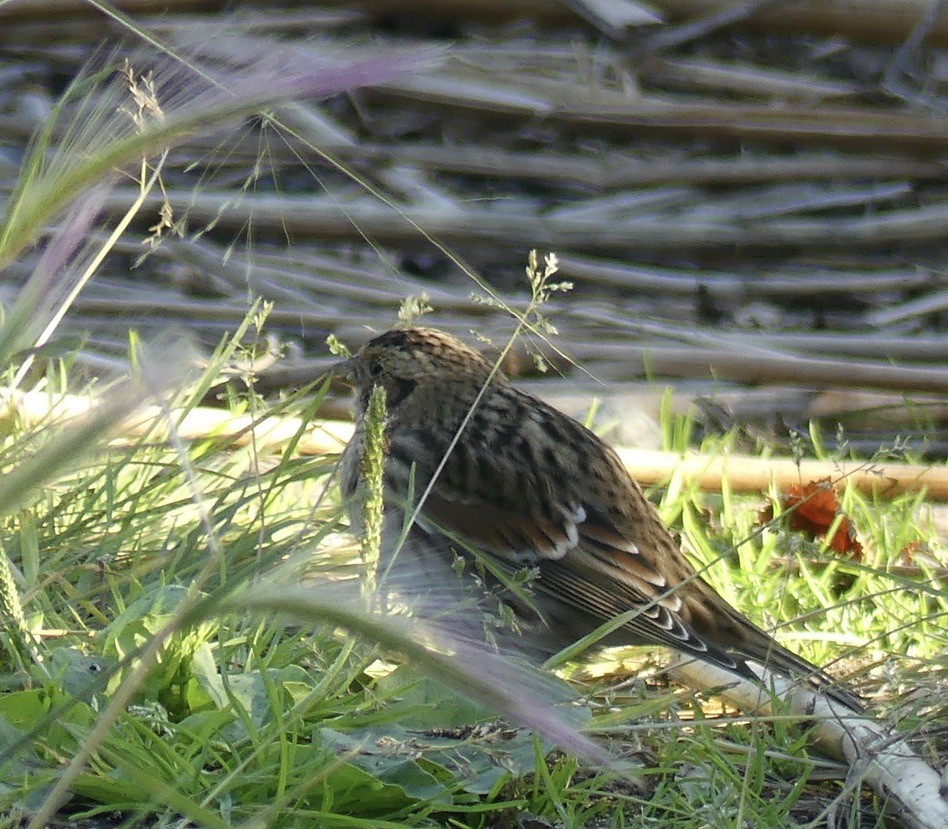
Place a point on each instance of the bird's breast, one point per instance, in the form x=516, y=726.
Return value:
x=350, y=464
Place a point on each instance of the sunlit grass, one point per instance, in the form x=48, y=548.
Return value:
x=246, y=716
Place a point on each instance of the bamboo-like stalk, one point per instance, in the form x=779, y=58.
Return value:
x=743, y=473
x=42, y=8
x=771, y=283
x=874, y=752
x=601, y=109
x=614, y=344
x=878, y=21
x=306, y=217
x=852, y=128
x=692, y=73
x=766, y=366
x=934, y=303
x=608, y=168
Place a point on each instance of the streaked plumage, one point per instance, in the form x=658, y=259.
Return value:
x=525, y=485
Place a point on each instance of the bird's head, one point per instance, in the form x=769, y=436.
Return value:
x=404, y=359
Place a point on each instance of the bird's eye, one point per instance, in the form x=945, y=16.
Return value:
x=375, y=370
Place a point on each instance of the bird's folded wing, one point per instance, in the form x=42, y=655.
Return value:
x=584, y=561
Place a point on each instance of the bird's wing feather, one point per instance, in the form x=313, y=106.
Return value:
x=594, y=577
x=604, y=568
x=532, y=519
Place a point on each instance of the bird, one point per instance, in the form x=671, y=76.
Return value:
x=492, y=489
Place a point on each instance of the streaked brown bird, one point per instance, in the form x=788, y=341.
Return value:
x=506, y=485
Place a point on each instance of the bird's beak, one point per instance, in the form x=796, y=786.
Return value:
x=344, y=370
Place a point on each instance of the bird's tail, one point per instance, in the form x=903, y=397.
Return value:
x=759, y=647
